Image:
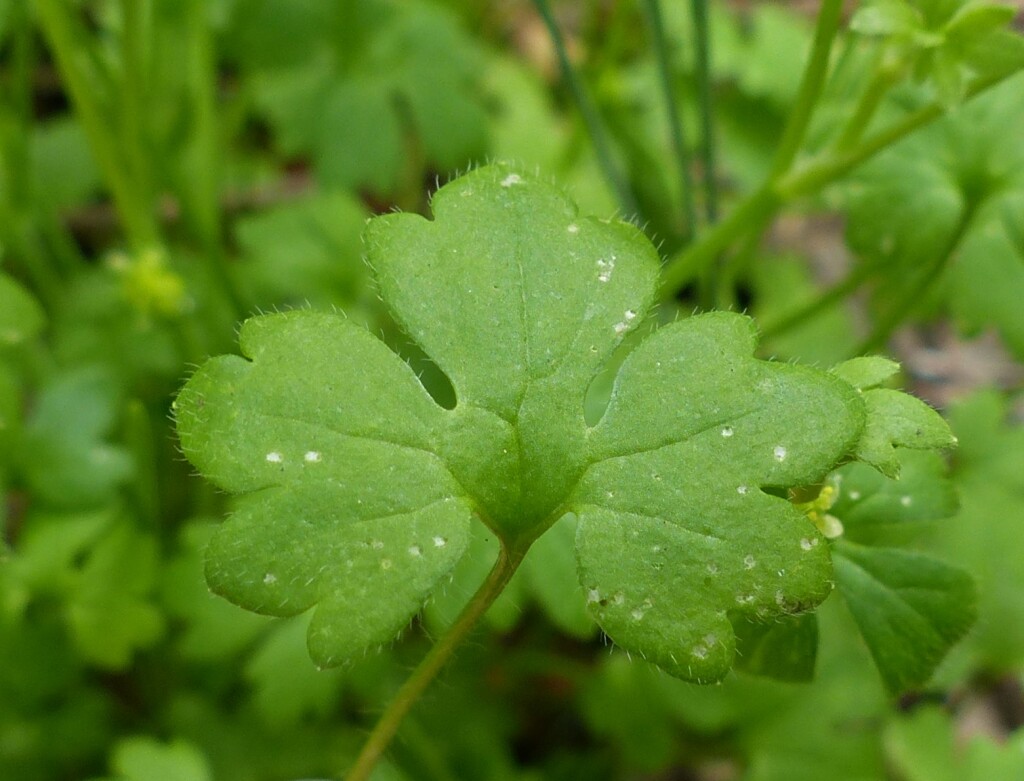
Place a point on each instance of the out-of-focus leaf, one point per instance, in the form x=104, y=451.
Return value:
x=910, y=608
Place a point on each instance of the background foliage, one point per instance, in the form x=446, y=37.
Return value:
x=169, y=167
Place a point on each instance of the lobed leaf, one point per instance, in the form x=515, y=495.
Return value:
x=358, y=488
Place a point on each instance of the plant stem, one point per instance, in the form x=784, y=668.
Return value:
x=865, y=109
x=702, y=34
x=675, y=122
x=82, y=82
x=764, y=202
x=831, y=296
x=504, y=568
x=888, y=324
x=591, y=118
x=811, y=86
x=682, y=269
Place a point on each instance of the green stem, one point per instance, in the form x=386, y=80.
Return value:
x=832, y=296
x=134, y=37
x=702, y=33
x=82, y=82
x=675, y=122
x=811, y=86
x=504, y=568
x=681, y=270
x=865, y=109
x=888, y=324
x=764, y=202
x=833, y=166
x=205, y=172
x=591, y=118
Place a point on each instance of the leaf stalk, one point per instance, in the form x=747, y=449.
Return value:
x=509, y=559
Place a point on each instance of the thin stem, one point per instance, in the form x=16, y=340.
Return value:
x=205, y=170
x=690, y=263
x=832, y=296
x=764, y=202
x=831, y=167
x=811, y=86
x=888, y=324
x=675, y=122
x=865, y=109
x=134, y=37
x=591, y=118
x=504, y=568
x=708, y=152
x=77, y=68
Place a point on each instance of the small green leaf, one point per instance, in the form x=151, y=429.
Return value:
x=109, y=607
x=286, y=686
x=867, y=371
x=65, y=454
x=910, y=608
x=877, y=510
x=985, y=536
x=975, y=20
x=21, y=317
x=887, y=17
x=146, y=759
x=785, y=649
x=305, y=251
x=896, y=419
x=212, y=630
x=358, y=489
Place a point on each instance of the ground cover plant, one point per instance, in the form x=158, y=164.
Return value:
x=556, y=390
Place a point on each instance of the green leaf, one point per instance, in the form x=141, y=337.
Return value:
x=286, y=686
x=109, y=608
x=896, y=419
x=941, y=199
x=375, y=72
x=877, y=510
x=925, y=746
x=910, y=608
x=358, y=488
x=146, y=759
x=65, y=455
x=785, y=650
x=866, y=371
x=887, y=17
x=976, y=20
x=21, y=317
x=986, y=537
x=305, y=251
x=213, y=629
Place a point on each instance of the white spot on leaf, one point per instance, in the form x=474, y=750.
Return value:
x=415, y=550
x=573, y=228
x=312, y=457
x=511, y=179
x=906, y=501
x=270, y=578
x=779, y=452
x=749, y=562
x=440, y=542
x=273, y=457
x=742, y=490
x=727, y=431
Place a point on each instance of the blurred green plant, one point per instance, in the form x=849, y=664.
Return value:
x=169, y=168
